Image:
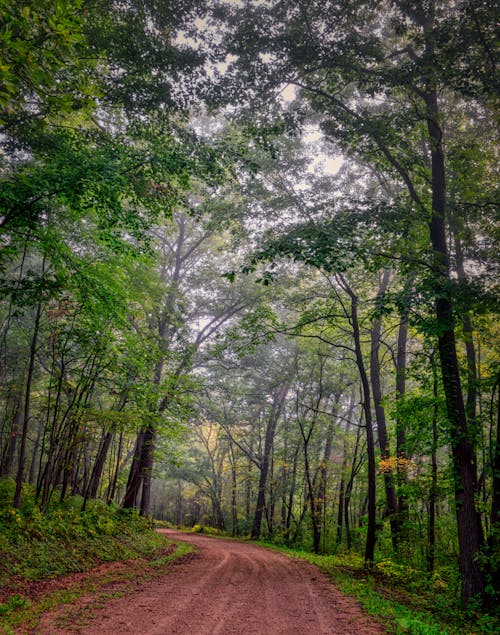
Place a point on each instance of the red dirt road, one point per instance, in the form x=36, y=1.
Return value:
x=231, y=588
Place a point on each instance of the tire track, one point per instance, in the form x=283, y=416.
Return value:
x=230, y=588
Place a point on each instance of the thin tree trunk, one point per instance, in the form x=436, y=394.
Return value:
x=99, y=462
x=434, y=474
x=265, y=459
x=291, y=493
x=34, y=456
x=27, y=403
x=342, y=485
x=264, y=469
x=494, y=535
x=383, y=437
x=310, y=491
x=371, y=535
x=324, y=474
x=180, y=505
x=356, y=464
x=401, y=446
x=234, y=493
x=146, y=468
x=112, y=487
x=11, y=445
x=271, y=506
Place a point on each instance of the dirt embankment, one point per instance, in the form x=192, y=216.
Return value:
x=227, y=588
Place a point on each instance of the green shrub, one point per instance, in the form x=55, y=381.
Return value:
x=203, y=529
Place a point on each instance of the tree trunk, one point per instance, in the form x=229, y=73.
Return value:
x=11, y=444
x=99, y=463
x=342, y=485
x=146, y=468
x=27, y=403
x=234, y=493
x=385, y=454
x=264, y=469
x=401, y=449
x=434, y=474
x=469, y=537
x=112, y=486
x=323, y=479
x=34, y=457
x=270, y=507
x=272, y=422
x=356, y=464
x=291, y=493
x=494, y=535
x=134, y=481
x=180, y=505
x=312, y=506
x=340, y=510
x=371, y=535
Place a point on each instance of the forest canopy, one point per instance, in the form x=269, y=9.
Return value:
x=249, y=271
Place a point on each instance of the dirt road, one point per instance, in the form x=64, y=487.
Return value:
x=231, y=588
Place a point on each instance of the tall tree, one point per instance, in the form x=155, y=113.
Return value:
x=377, y=74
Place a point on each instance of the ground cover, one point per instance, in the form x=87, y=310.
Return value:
x=53, y=558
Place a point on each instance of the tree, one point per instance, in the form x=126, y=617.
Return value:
x=376, y=80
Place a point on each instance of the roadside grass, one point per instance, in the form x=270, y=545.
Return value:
x=36, y=549
x=405, y=600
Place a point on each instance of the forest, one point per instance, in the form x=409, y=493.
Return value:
x=249, y=273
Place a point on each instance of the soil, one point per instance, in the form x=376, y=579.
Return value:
x=225, y=588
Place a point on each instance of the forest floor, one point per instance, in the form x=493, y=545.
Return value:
x=224, y=588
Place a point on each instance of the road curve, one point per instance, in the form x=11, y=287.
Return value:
x=233, y=588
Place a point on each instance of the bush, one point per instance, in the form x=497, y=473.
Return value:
x=203, y=529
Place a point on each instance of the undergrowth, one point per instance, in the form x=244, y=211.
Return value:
x=205, y=529
x=36, y=545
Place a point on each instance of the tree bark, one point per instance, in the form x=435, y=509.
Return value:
x=343, y=474
x=112, y=486
x=383, y=437
x=234, y=492
x=494, y=535
x=272, y=422
x=27, y=403
x=434, y=474
x=10, y=447
x=469, y=537
x=291, y=493
x=371, y=535
x=146, y=468
x=401, y=449
x=134, y=481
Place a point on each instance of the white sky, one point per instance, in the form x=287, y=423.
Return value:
x=322, y=163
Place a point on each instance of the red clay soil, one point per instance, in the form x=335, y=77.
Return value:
x=228, y=588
